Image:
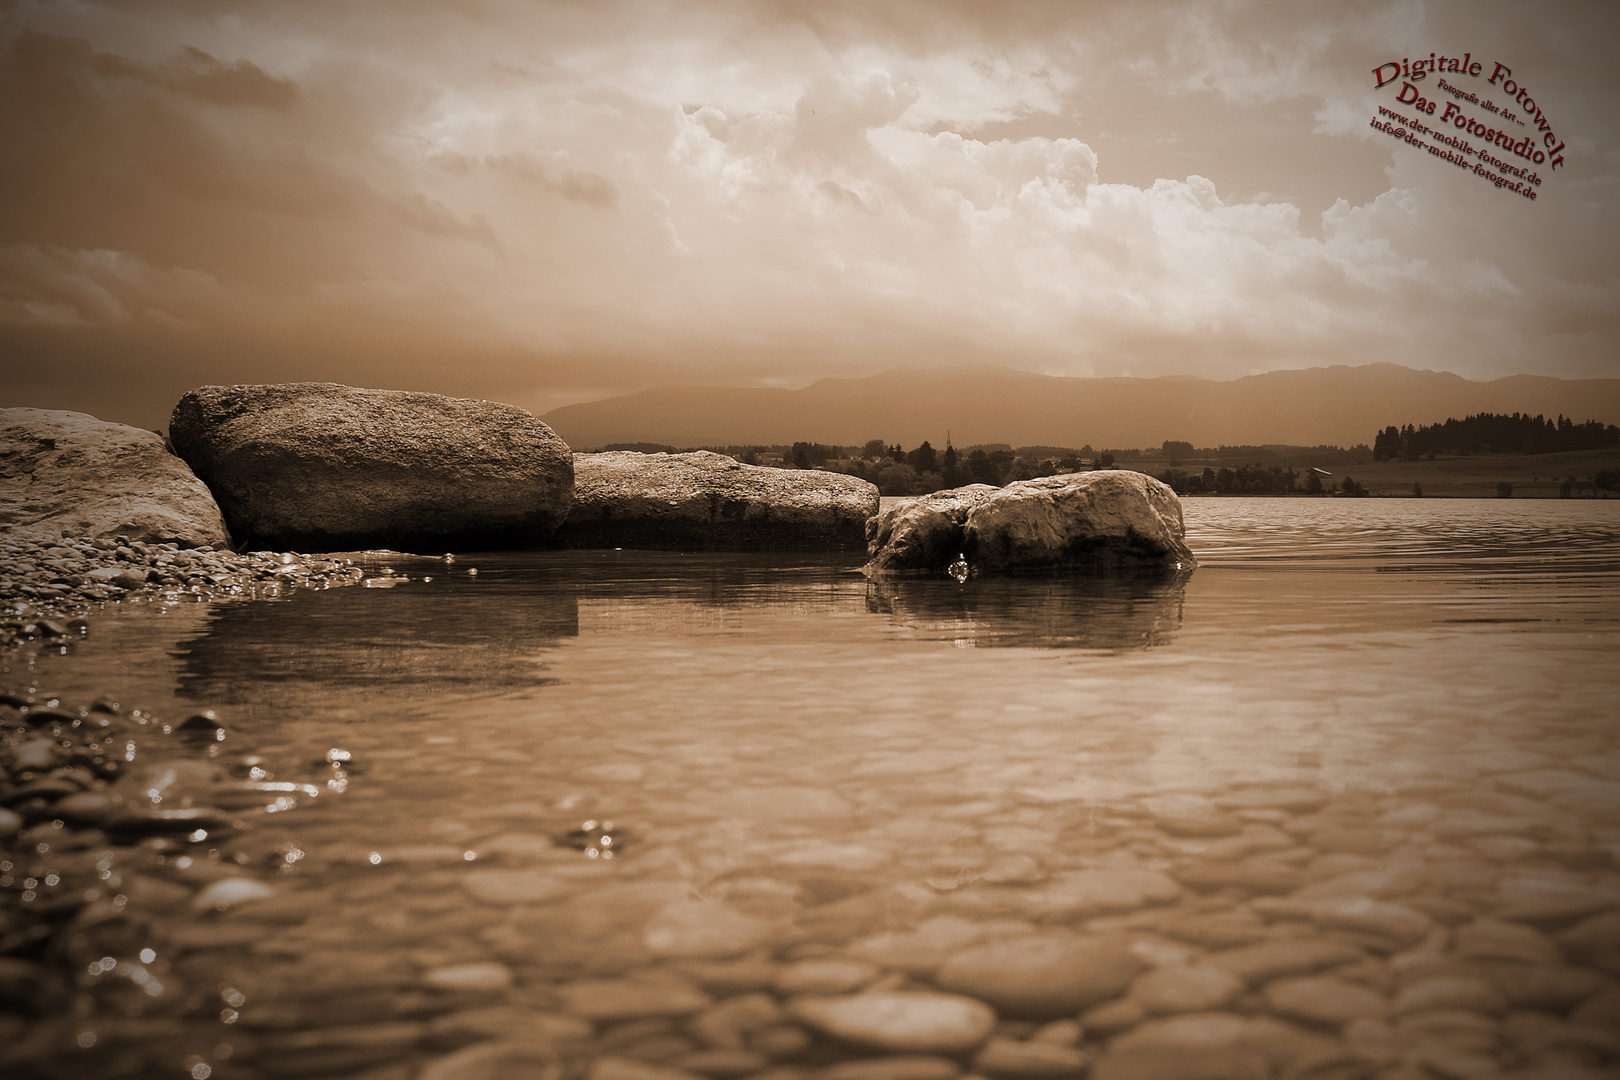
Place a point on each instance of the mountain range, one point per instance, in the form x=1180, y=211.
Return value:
x=1338, y=405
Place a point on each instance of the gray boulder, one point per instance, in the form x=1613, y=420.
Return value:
x=321, y=466
x=68, y=472
x=706, y=500
x=1103, y=522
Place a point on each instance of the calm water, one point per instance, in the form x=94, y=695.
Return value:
x=795, y=761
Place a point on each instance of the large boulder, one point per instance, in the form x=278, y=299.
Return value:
x=321, y=466
x=67, y=472
x=1103, y=522
x=707, y=500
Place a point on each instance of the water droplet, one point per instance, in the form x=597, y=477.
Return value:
x=959, y=569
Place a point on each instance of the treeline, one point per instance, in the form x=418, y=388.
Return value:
x=1493, y=433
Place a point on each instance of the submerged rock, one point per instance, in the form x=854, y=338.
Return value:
x=67, y=473
x=1100, y=522
x=903, y=1021
x=708, y=500
x=324, y=466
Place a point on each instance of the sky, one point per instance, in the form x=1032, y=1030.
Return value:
x=547, y=203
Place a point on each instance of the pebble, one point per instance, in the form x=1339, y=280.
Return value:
x=229, y=891
x=721, y=1064
x=898, y=1067
x=1493, y=939
x=832, y=975
x=1595, y=942
x=921, y=951
x=495, y=1061
x=1276, y=959
x=1398, y=924
x=610, y=1067
x=1045, y=975
x=631, y=999
x=1010, y=1059
x=899, y=1020
x=703, y=929
x=515, y=886
x=1551, y=898
x=1324, y=1000
x=1079, y=894
x=486, y=975
x=726, y=1025
x=1449, y=992
x=1183, y=989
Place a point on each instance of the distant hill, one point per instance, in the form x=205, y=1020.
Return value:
x=1332, y=405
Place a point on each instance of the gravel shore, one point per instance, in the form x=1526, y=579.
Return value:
x=48, y=588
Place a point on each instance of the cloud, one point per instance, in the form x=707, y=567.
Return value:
x=771, y=192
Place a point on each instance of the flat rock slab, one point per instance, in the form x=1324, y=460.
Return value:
x=1101, y=522
x=68, y=472
x=704, y=500
x=321, y=466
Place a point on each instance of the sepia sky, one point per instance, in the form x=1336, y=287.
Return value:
x=547, y=203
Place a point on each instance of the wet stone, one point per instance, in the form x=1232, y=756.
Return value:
x=630, y=999
x=1544, y=986
x=921, y=951
x=1594, y=942
x=1076, y=895
x=703, y=929
x=1399, y=924
x=902, y=1021
x=1043, y=976
x=1009, y=1059
x=515, y=886
x=1449, y=992
x=1112, y=1017
x=1324, y=1000
x=721, y=1064
x=486, y=975
x=622, y=1068
x=1181, y=989
x=833, y=975
x=898, y=1067
x=1272, y=960
x=516, y=1060
x=727, y=1024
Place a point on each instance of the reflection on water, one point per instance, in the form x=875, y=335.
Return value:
x=1342, y=804
x=1087, y=613
x=402, y=638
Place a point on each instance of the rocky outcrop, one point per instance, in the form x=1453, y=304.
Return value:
x=1104, y=522
x=704, y=500
x=70, y=473
x=320, y=466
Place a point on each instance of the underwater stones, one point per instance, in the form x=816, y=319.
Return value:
x=1043, y=975
x=1094, y=522
x=829, y=975
x=706, y=500
x=896, y=1067
x=903, y=1021
x=514, y=886
x=1010, y=1059
x=68, y=472
x=1181, y=988
x=500, y=1060
x=324, y=466
x=701, y=929
x=1277, y=959
x=632, y=999
x=481, y=975
x=1325, y=1000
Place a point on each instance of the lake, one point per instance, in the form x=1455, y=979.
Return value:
x=1345, y=802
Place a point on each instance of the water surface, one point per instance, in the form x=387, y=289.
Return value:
x=790, y=761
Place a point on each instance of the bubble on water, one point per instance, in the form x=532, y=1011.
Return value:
x=148, y=955
x=86, y=1039
x=959, y=569
x=375, y=857
x=233, y=997
x=201, y=1071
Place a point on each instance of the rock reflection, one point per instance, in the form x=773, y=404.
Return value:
x=417, y=638
x=1073, y=613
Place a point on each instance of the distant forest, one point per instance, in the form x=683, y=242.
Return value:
x=1493, y=433
x=1189, y=470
